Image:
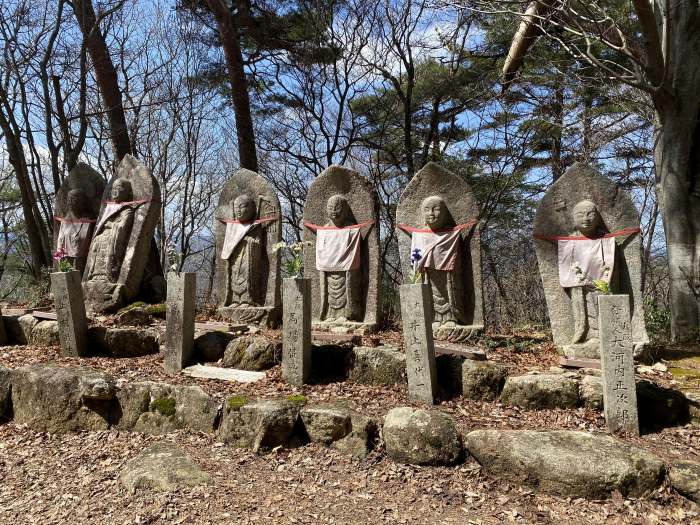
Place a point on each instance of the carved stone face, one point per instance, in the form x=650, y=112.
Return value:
x=76, y=201
x=338, y=210
x=587, y=219
x=244, y=208
x=434, y=212
x=121, y=191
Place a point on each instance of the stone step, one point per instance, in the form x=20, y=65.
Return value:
x=222, y=327
x=469, y=352
x=225, y=374
x=326, y=337
x=573, y=362
x=39, y=314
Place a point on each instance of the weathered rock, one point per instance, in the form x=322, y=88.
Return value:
x=660, y=407
x=591, y=392
x=49, y=398
x=122, y=342
x=421, y=437
x=5, y=393
x=540, y=391
x=259, y=425
x=685, y=478
x=27, y=322
x=482, y=380
x=13, y=328
x=158, y=408
x=325, y=424
x=382, y=365
x=360, y=441
x=576, y=464
x=45, y=333
x=162, y=466
x=210, y=346
x=693, y=407
x=134, y=316
x=252, y=352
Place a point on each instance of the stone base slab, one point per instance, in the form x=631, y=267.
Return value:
x=457, y=333
x=250, y=315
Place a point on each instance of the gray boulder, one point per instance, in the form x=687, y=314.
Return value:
x=540, y=391
x=5, y=392
x=210, y=346
x=360, y=440
x=693, y=407
x=159, y=408
x=164, y=467
x=591, y=392
x=122, y=342
x=259, y=425
x=325, y=423
x=252, y=352
x=576, y=464
x=49, y=398
x=685, y=478
x=26, y=323
x=135, y=316
x=383, y=365
x=481, y=380
x=45, y=333
x=421, y=437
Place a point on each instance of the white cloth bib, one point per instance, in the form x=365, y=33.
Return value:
x=74, y=238
x=436, y=251
x=235, y=231
x=338, y=250
x=582, y=261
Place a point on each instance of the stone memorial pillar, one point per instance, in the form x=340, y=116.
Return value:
x=296, y=330
x=70, y=312
x=616, y=353
x=418, y=342
x=179, y=333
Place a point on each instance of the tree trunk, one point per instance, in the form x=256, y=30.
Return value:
x=230, y=40
x=106, y=75
x=677, y=163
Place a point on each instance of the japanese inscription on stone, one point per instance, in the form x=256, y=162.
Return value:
x=418, y=341
x=296, y=331
x=616, y=352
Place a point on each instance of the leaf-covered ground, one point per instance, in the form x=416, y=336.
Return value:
x=73, y=478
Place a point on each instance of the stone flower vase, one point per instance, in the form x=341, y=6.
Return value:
x=69, y=303
x=296, y=330
x=418, y=342
x=179, y=320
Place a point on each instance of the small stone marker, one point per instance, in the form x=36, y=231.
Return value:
x=225, y=374
x=296, y=330
x=418, y=339
x=179, y=333
x=70, y=312
x=616, y=353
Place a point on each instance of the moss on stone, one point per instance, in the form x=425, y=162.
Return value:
x=137, y=304
x=156, y=309
x=165, y=406
x=297, y=399
x=236, y=402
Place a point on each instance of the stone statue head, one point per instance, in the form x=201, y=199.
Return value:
x=76, y=202
x=587, y=218
x=244, y=208
x=338, y=210
x=434, y=212
x=121, y=191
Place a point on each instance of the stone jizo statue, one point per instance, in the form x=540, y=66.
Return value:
x=116, y=271
x=75, y=229
x=338, y=261
x=76, y=208
x=110, y=241
x=247, y=270
x=439, y=243
x=342, y=259
x=587, y=243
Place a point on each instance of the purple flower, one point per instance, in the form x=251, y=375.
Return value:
x=415, y=255
x=59, y=254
